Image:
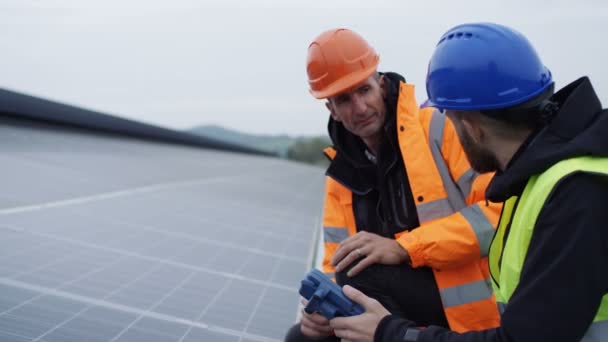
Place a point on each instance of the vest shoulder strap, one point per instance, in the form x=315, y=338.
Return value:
x=528, y=208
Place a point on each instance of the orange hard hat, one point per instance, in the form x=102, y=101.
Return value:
x=338, y=60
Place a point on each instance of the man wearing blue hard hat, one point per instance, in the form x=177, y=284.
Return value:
x=549, y=257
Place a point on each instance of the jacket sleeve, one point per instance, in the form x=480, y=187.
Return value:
x=465, y=235
x=563, y=278
x=335, y=227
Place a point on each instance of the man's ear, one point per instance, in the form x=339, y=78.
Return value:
x=331, y=110
x=382, y=81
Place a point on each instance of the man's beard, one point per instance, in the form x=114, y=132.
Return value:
x=481, y=159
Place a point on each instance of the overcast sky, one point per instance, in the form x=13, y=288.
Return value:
x=241, y=64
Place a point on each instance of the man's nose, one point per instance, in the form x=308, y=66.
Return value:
x=358, y=103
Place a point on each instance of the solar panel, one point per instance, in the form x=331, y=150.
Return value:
x=107, y=238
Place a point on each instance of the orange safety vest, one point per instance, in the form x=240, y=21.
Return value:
x=456, y=222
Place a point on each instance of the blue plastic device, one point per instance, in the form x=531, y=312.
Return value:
x=326, y=297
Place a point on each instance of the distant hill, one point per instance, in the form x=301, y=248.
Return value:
x=304, y=149
x=272, y=143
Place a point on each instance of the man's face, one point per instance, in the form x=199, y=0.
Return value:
x=361, y=110
x=480, y=157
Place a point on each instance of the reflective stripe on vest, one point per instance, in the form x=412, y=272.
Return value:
x=497, y=244
x=455, y=198
x=481, y=226
x=477, y=290
x=510, y=246
x=483, y=229
x=434, y=209
x=335, y=234
x=597, y=332
x=465, y=182
x=465, y=293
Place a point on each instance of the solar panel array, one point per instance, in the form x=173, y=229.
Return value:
x=106, y=238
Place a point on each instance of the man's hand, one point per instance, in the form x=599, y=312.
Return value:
x=375, y=248
x=314, y=325
x=359, y=328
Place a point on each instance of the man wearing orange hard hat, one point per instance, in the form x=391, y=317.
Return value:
x=405, y=216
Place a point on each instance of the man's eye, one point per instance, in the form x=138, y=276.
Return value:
x=341, y=100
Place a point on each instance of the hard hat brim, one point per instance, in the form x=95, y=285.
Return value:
x=345, y=83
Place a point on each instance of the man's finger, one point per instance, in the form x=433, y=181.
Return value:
x=349, y=259
x=344, y=249
x=358, y=297
x=342, y=334
x=345, y=328
x=339, y=323
x=348, y=328
x=310, y=327
x=338, y=256
x=318, y=319
x=363, y=264
x=314, y=331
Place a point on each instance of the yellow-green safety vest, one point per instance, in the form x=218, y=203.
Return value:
x=507, y=258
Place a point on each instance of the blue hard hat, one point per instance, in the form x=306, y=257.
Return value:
x=484, y=66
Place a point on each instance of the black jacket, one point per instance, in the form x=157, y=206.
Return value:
x=565, y=273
